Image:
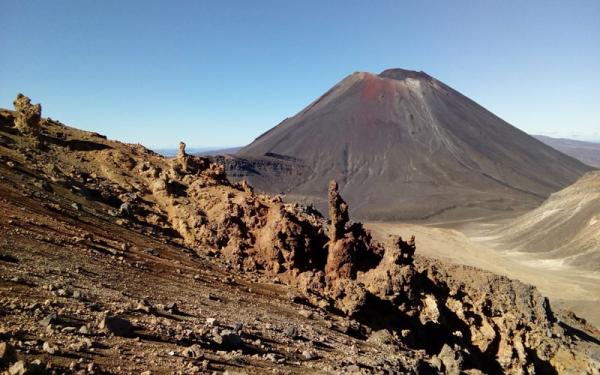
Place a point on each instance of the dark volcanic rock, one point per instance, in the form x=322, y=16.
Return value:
x=116, y=325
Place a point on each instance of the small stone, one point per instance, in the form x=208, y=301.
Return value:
x=91, y=367
x=84, y=330
x=211, y=322
x=309, y=355
x=68, y=330
x=237, y=327
x=49, y=319
x=452, y=360
x=213, y=297
x=381, y=337
x=116, y=325
x=75, y=206
x=49, y=348
x=144, y=307
x=82, y=345
x=194, y=351
x=235, y=372
x=228, y=339
x=7, y=354
x=19, y=368
x=33, y=306
x=172, y=308
x=76, y=294
x=152, y=251
x=291, y=332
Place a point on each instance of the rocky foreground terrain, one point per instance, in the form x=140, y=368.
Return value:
x=114, y=259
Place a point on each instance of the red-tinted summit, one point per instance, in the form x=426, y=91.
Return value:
x=403, y=145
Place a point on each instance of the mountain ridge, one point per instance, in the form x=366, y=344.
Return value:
x=588, y=152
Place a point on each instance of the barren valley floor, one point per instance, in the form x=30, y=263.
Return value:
x=567, y=287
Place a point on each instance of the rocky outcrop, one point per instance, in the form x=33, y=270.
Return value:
x=27, y=115
x=338, y=213
x=459, y=319
x=351, y=248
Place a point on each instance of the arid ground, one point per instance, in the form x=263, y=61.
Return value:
x=470, y=244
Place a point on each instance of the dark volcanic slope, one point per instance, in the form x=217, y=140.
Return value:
x=406, y=146
x=587, y=152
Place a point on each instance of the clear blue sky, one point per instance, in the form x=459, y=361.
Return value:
x=219, y=73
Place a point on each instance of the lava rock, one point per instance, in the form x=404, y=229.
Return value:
x=50, y=319
x=228, y=339
x=7, y=354
x=116, y=325
x=194, y=351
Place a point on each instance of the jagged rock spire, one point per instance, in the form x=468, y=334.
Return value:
x=181, y=154
x=27, y=115
x=338, y=212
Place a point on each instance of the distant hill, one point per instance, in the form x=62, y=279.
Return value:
x=404, y=145
x=218, y=151
x=587, y=152
x=564, y=230
x=198, y=151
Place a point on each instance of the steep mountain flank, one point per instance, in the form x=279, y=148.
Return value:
x=404, y=145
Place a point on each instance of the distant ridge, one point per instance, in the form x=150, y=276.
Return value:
x=200, y=151
x=586, y=152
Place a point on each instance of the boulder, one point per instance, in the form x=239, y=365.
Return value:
x=116, y=325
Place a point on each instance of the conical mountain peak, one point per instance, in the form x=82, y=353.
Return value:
x=404, y=145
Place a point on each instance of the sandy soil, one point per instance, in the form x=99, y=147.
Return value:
x=566, y=287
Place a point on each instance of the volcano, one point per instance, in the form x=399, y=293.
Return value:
x=403, y=145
